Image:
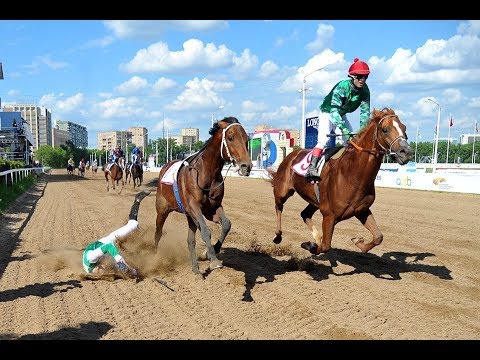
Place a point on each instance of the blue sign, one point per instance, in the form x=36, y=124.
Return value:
x=311, y=132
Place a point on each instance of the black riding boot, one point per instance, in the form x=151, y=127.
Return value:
x=136, y=204
x=312, y=171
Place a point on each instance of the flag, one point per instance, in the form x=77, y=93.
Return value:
x=418, y=134
x=451, y=121
x=1, y=71
x=476, y=128
x=435, y=131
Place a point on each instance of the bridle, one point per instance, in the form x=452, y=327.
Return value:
x=375, y=139
x=230, y=157
x=224, y=144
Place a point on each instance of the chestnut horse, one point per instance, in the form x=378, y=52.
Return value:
x=346, y=187
x=199, y=187
x=115, y=173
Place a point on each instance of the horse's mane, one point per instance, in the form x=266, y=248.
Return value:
x=213, y=130
x=375, y=116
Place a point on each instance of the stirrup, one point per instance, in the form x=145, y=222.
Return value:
x=312, y=173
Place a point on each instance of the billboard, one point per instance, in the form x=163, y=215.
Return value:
x=311, y=132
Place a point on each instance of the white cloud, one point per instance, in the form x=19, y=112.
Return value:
x=281, y=41
x=474, y=102
x=324, y=37
x=95, y=43
x=452, y=96
x=60, y=105
x=386, y=98
x=134, y=84
x=148, y=29
x=46, y=59
x=195, y=56
x=245, y=63
x=164, y=84
x=471, y=27
x=119, y=107
x=267, y=69
x=200, y=94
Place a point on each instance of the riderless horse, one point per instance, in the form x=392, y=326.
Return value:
x=346, y=187
x=195, y=187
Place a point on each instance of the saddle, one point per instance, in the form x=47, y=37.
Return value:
x=301, y=167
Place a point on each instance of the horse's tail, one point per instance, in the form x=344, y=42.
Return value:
x=272, y=174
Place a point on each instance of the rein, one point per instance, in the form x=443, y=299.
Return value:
x=375, y=139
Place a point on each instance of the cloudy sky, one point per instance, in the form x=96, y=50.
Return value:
x=167, y=74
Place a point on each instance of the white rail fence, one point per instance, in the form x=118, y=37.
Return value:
x=16, y=175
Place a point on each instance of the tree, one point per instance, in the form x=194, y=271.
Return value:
x=53, y=157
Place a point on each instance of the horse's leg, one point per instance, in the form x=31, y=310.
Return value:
x=226, y=226
x=367, y=219
x=281, y=194
x=106, y=177
x=323, y=241
x=162, y=214
x=219, y=218
x=122, y=186
x=192, y=229
x=197, y=216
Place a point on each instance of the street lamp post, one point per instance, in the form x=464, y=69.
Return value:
x=213, y=113
x=435, y=154
x=303, y=89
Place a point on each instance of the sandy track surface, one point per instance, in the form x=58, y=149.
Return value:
x=422, y=282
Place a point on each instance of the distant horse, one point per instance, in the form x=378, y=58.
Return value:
x=199, y=187
x=346, y=188
x=115, y=173
x=135, y=172
x=81, y=169
x=70, y=169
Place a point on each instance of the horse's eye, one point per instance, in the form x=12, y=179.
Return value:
x=385, y=130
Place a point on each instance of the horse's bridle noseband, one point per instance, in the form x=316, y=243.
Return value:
x=375, y=136
x=224, y=143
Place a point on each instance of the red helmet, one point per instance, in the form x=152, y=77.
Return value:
x=358, y=67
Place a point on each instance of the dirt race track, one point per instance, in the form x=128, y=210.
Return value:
x=422, y=282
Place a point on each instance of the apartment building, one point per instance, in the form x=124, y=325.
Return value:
x=39, y=120
x=78, y=133
x=139, y=136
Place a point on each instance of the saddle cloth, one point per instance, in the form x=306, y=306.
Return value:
x=170, y=175
x=301, y=167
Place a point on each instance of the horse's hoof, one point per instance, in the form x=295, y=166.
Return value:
x=310, y=246
x=277, y=239
x=215, y=264
x=306, y=245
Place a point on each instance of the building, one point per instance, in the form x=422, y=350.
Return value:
x=139, y=136
x=39, y=120
x=78, y=133
x=16, y=140
x=469, y=138
x=112, y=139
x=188, y=137
x=59, y=137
